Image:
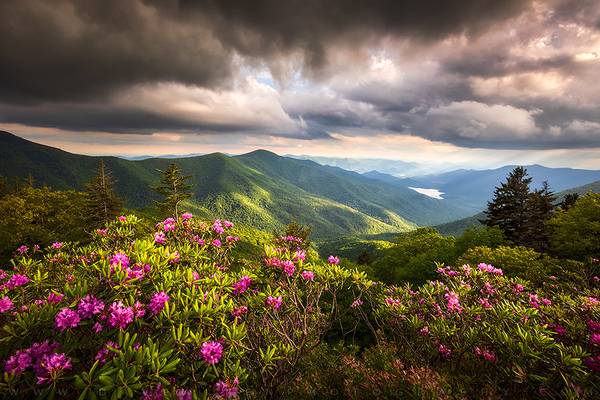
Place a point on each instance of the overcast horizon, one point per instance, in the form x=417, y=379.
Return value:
x=468, y=84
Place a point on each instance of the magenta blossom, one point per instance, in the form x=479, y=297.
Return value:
x=66, y=319
x=453, y=304
x=308, y=275
x=288, y=267
x=57, y=245
x=6, y=304
x=15, y=281
x=216, y=243
x=186, y=216
x=184, y=394
x=160, y=238
x=211, y=352
x=333, y=260
x=444, y=351
x=121, y=259
x=18, y=362
x=217, y=227
x=55, y=298
x=242, y=285
x=106, y=352
x=119, y=315
x=157, y=303
x=122, y=218
x=226, y=389
x=22, y=249
x=274, y=302
x=237, y=312
x=89, y=306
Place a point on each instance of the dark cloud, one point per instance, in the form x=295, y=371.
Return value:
x=83, y=49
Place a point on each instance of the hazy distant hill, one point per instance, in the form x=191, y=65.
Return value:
x=259, y=188
x=362, y=165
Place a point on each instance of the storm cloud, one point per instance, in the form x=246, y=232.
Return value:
x=476, y=73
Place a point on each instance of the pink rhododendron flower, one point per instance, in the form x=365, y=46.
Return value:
x=593, y=326
x=590, y=302
x=57, y=245
x=22, y=249
x=105, y=353
x=102, y=232
x=226, y=389
x=157, y=302
x=488, y=288
x=424, y=331
x=300, y=255
x=6, y=304
x=18, y=362
x=121, y=259
x=211, y=352
x=490, y=268
x=308, y=275
x=274, y=302
x=288, y=267
x=160, y=238
x=183, y=394
x=217, y=227
x=186, y=216
x=485, y=303
x=444, y=351
x=595, y=339
x=453, y=303
x=227, y=224
x=15, y=281
x=98, y=327
x=155, y=393
x=237, y=312
x=485, y=354
x=392, y=302
x=216, y=243
x=119, y=315
x=139, y=310
x=518, y=288
x=593, y=363
x=333, y=260
x=232, y=238
x=55, y=298
x=242, y=285
x=122, y=218
x=66, y=319
x=356, y=303
x=198, y=239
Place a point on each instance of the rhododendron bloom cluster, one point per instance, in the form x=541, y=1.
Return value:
x=119, y=315
x=227, y=389
x=453, y=303
x=121, y=259
x=485, y=354
x=490, y=268
x=15, y=281
x=6, y=304
x=57, y=245
x=211, y=352
x=308, y=275
x=157, y=302
x=274, y=302
x=66, y=319
x=333, y=260
x=242, y=285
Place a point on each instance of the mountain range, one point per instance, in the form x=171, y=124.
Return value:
x=258, y=188
x=268, y=191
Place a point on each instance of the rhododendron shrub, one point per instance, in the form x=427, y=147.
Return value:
x=488, y=333
x=165, y=313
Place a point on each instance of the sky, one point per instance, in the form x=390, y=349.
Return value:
x=469, y=83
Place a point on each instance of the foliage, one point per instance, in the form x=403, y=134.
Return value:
x=479, y=236
x=413, y=257
x=507, y=210
x=539, y=210
x=41, y=216
x=168, y=313
x=576, y=231
x=492, y=336
x=174, y=189
x=538, y=268
x=103, y=204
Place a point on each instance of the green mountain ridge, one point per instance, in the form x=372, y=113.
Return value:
x=258, y=188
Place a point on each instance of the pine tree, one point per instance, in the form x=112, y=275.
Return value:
x=539, y=209
x=174, y=188
x=508, y=208
x=103, y=204
x=569, y=200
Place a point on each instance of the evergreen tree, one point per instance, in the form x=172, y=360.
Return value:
x=103, y=204
x=508, y=208
x=569, y=200
x=174, y=188
x=540, y=208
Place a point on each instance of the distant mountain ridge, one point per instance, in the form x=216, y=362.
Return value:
x=258, y=188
